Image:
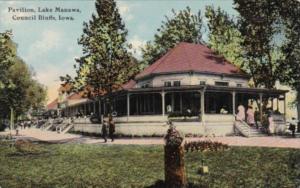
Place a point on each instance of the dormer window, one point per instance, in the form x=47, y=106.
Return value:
x=146, y=85
x=168, y=84
x=238, y=85
x=202, y=83
x=224, y=84
x=176, y=83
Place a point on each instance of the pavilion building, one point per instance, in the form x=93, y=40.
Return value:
x=199, y=90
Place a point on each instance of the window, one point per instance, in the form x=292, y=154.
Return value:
x=221, y=83
x=146, y=85
x=176, y=83
x=238, y=85
x=168, y=84
x=202, y=83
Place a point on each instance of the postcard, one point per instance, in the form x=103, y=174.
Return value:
x=147, y=93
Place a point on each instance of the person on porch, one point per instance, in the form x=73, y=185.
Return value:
x=250, y=116
x=241, y=113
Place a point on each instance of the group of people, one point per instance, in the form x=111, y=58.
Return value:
x=249, y=116
x=110, y=125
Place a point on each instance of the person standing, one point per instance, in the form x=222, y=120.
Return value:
x=250, y=116
x=241, y=113
x=111, y=127
x=104, y=131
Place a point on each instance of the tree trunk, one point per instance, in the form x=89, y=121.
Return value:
x=174, y=167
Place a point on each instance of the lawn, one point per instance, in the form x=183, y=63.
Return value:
x=77, y=165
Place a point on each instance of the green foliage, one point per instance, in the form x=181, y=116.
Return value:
x=183, y=26
x=224, y=37
x=106, y=63
x=204, y=146
x=18, y=89
x=259, y=25
x=290, y=64
x=23, y=93
x=77, y=165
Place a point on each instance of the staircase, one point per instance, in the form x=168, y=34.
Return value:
x=67, y=128
x=244, y=129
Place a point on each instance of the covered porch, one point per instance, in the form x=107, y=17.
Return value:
x=196, y=103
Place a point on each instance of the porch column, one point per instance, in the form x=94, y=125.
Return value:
x=94, y=111
x=180, y=102
x=284, y=107
x=233, y=102
x=260, y=107
x=277, y=104
x=128, y=106
x=172, y=102
x=100, y=110
x=104, y=107
x=163, y=102
x=202, y=107
x=84, y=109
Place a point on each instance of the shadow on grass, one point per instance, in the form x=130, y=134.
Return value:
x=161, y=184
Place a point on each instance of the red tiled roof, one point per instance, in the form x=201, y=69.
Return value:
x=75, y=96
x=53, y=104
x=188, y=57
x=129, y=85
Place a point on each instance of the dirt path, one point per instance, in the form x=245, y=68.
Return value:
x=49, y=136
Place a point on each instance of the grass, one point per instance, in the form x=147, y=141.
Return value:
x=76, y=165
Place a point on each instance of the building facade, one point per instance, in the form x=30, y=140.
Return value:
x=190, y=85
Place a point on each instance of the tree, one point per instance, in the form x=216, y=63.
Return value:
x=290, y=64
x=183, y=26
x=224, y=36
x=258, y=25
x=106, y=63
x=24, y=93
x=7, y=55
x=18, y=90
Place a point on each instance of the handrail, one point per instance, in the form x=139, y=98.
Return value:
x=244, y=123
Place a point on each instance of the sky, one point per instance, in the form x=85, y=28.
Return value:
x=50, y=47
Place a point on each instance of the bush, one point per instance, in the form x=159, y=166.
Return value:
x=204, y=146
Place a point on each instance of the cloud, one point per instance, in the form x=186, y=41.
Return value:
x=49, y=39
x=125, y=10
x=137, y=43
x=6, y=17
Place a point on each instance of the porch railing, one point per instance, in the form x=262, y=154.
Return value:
x=242, y=127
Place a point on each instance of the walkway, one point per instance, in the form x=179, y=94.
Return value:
x=53, y=137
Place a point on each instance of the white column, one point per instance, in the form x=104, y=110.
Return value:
x=163, y=102
x=233, y=102
x=277, y=103
x=128, y=106
x=260, y=106
x=284, y=108
x=202, y=107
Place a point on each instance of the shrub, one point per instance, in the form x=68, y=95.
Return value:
x=204, y=146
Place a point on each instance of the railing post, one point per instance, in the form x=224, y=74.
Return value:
x=128, y=106
x=260, y=106
x=163, y=102
x=202, y=107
